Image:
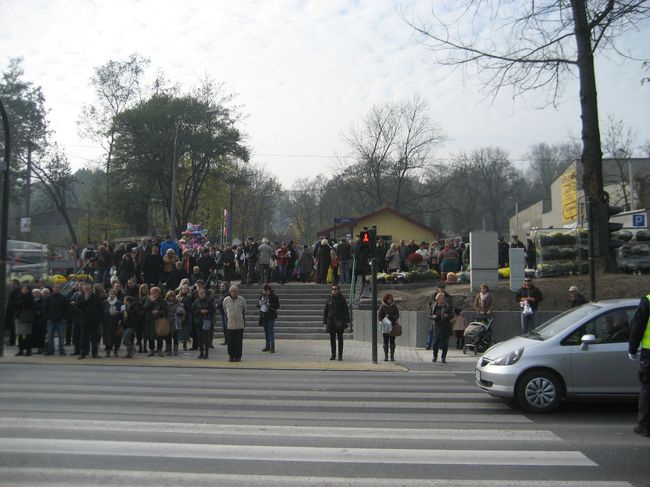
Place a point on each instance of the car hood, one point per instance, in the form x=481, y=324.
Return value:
x=509, y=345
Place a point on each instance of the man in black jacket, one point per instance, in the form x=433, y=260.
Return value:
x=55, y=310
x=528, y=297
x=91, y=310
x=640, y=335
x=344, y=253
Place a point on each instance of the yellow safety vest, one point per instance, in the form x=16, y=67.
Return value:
x=645, y=341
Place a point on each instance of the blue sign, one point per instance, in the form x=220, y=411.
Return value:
x=638, y=220
x=344, y=221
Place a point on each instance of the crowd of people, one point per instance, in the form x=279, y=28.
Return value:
x=141, y=318
x=165, y=263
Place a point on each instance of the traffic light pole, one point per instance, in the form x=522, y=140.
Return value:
x=4, y=226
x=373, y=282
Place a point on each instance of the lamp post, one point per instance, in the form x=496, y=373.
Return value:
x=4, y=226
x=172, y=209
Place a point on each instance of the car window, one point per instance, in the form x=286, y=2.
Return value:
x=610, y=327
x=564, y=321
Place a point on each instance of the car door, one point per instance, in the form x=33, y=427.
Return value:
x=604, y=367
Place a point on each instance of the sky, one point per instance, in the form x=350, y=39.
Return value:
x=304, y=72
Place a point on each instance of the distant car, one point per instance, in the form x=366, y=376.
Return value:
x=580, y=353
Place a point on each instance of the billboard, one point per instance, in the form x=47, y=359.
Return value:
x=569, y=189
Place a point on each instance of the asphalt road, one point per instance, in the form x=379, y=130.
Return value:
x=75, y=425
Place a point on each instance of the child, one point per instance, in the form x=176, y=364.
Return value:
x=458, y=326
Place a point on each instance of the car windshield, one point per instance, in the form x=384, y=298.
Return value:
x=561, y=322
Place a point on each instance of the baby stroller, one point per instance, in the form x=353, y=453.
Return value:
x=478, y=334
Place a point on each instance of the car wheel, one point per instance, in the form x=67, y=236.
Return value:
x=539, y=391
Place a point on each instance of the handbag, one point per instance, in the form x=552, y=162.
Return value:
x=386, y=326
x=526, y=310
x=207, y=324
x=162, y=327
x=119, y=330
x=396, y=331
x=340, y=326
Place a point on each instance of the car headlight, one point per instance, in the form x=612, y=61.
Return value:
x=509, y=358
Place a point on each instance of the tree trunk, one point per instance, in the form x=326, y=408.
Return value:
x=592, y=157
x=68, y=223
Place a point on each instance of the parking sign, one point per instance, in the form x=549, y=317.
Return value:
x=638, y=220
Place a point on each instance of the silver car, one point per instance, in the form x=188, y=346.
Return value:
x=580, y=353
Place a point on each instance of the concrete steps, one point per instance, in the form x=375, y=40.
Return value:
x=300, y=315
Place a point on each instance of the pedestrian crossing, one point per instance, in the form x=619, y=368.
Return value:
x=78, y=426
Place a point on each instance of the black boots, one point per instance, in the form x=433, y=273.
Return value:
x=385, y=354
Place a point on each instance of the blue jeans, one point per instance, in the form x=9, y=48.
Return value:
x=282, y=273
x=59, y=326
x=440, y=343
x=127, y=340
x=344, y=272
x=529, y=322
x=430, y=337
x=103, y=276
x=269, y=332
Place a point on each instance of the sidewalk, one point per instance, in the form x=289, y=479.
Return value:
x=290, y=355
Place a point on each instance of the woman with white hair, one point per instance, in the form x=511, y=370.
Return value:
x=235, y=307
x=393, y=259
x=324, y=261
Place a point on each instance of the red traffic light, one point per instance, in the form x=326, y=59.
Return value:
x=365, y=238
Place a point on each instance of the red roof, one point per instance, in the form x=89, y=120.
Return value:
x=398, y=214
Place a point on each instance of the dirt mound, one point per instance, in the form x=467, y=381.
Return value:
x=554, y=289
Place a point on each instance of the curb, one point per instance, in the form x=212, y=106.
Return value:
x=208, y=364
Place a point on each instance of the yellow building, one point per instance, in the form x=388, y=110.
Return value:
x=392, y=226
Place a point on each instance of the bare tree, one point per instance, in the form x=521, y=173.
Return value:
x=418, y=135
x=392, y=145
x=54, y=174
x=546, y=163
x=527, y=46
x=373, y=144
x=618, y=145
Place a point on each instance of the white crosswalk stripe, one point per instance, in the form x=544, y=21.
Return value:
x=146, y=428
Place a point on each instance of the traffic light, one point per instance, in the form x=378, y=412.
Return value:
x=364, y=237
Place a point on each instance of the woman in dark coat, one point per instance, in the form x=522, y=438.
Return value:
x=23, y=312
x=388, y=309
x=324, y=261
x=126, y=269
x=268, y=304
x=141, y=299
x=442, y=313
x=335, y=318
x=154, y=308
x=203, y=320
x=112, y=318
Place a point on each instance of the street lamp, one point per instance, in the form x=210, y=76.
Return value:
x=4, y=226
x=172, y=210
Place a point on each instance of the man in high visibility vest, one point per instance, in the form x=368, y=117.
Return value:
x=640, y=335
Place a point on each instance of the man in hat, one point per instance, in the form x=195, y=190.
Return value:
x=516, y=243
x=575, y=298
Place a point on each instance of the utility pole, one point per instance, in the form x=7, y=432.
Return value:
x=28, y=187
x=592, y=257
x=4, y=226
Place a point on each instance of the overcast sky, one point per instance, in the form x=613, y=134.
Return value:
x=304, y=71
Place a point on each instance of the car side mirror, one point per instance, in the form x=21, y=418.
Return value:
x=587, y=340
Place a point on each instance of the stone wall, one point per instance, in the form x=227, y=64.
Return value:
x=415, y=324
